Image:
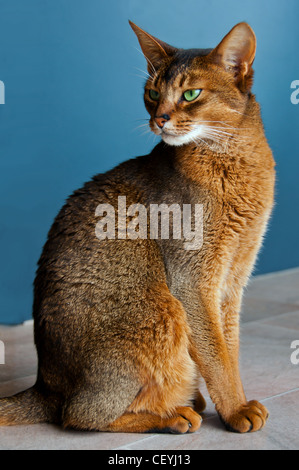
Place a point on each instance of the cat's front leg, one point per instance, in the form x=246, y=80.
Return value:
x=213, y=355
x=252, y=415
x=230, y=318
x=232, y=293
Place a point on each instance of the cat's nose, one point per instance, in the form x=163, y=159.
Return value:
x=161, y=120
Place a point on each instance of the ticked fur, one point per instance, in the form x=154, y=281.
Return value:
x=124, y=328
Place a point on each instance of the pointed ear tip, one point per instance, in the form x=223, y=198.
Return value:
x=245, y=26
x=133, y=25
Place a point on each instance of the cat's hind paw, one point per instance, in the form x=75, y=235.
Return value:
x=186, y=420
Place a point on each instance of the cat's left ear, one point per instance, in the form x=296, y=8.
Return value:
x=236, y=53
x=154, y=50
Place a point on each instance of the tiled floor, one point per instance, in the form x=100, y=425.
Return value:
x=270, y=323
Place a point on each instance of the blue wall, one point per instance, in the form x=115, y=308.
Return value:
x=73, y=100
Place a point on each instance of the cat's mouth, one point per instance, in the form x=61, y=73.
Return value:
x=198, y=134
x=166, y=134
x=172, y=137
x=185, y=134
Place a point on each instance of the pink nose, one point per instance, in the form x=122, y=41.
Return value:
x=161, y=120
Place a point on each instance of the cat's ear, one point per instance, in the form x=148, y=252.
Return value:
x=154, y=50
x=236, y=53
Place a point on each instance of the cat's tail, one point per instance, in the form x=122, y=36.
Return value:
x=28, y=407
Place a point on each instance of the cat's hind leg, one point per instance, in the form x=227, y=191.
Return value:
x=92, y=408
x=199, y=403
x=87, y=412
x=183, y=419
x=146, y=380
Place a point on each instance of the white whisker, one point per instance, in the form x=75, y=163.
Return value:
x=141, y=125
x=218, y=134
x=146, y=74
x=149, y=62
x=215, y=138
x=147, y=131
x=198, y=140
x=139, y=76
x=213, y=129
x=224, y=134
x=235, y=111
x=228, y=126
x=218, y=122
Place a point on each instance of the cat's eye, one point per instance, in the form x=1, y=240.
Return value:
x=191, y=95
x=154, y=95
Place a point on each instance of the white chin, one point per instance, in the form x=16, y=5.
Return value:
x=177, y=140
x=171, y=139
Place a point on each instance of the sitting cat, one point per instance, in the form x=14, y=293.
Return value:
x=125, y=325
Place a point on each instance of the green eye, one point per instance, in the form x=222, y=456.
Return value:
x=154, y=95
x=191, y=95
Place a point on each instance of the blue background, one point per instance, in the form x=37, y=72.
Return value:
x=74, y=101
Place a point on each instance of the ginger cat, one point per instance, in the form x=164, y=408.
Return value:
x=125, y=326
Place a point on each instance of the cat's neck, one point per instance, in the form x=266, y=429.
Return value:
x=246, y=147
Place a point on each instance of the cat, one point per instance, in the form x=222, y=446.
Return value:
x=125, y=327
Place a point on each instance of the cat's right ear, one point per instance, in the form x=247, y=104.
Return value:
x=154, y=50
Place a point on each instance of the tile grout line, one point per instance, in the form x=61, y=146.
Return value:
x=281, y=394
x=20, y=377
x=272, y=317
x=126, y=446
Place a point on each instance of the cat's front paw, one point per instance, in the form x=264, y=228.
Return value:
x=249, y=418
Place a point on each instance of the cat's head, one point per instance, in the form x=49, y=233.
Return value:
x=198, y=95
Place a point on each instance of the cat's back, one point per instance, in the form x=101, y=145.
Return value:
x=75, y=261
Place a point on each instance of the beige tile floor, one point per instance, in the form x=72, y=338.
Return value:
x=270, y=323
